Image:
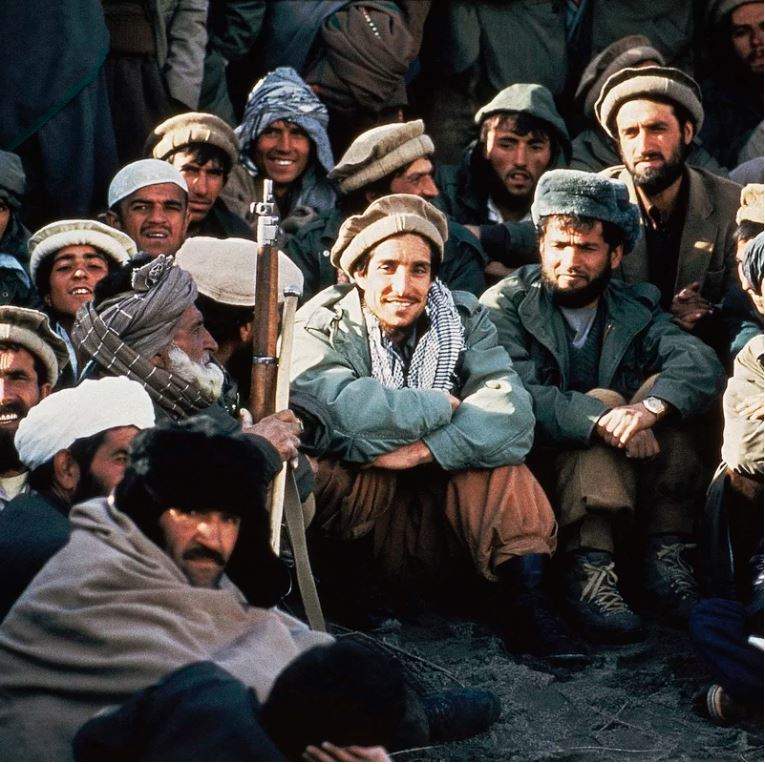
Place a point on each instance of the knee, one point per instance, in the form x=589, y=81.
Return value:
x=609, y=397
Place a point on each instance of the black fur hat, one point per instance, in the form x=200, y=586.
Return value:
x=193, y=465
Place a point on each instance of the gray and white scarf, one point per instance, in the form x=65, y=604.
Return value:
x=437, y=351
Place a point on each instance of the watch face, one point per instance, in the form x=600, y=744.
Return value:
x=654, y=405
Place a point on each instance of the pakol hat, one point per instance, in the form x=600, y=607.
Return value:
x=587, y=195
x=224, y=269
x=627, y=52
x=380, y=151
x=752, y=203
x=386, y=217
x=193, y=127
x=116, y=245
x=31, y=329
x=663, y=82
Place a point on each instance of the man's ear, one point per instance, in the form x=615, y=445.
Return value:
x=370, y=196
x=688, y=130
x=245, y=332
x=186, y=219
x=161, y=360
x=45, y=390
x=113, y=219
x=617, y=253
x=66, y=471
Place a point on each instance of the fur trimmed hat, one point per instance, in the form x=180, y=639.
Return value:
x=380, y=151
x=193, y=466
x=752, y=204
x=627, y=52
x=115, y=244
x=224, y=269
x=192, y=127
x=589, y=195
x=386, y=217
x=663, y=82
x=31, y=329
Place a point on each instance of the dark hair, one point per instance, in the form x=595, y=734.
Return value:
x=612, y=233
x=82, y=450
x=344, y=693
x=361, y=265
x=746, y=230
x=524, y=124
x=223, y=321
x=40, y=368
x=202, y=153
x=355, y=202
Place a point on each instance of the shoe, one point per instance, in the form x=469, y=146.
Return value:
x=595, y=602
x=669, y=579
x=530, y=623
x=460, y=713
x=715, y=703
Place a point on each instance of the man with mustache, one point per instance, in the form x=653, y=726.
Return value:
x=491, y=190
x=205, y=150
x=74, y=443
x=686, y=245
x=617, y=388
x=149, y=201
x=31, y=359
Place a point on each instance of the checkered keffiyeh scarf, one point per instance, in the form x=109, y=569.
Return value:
x=435, y=356
x=161, y=293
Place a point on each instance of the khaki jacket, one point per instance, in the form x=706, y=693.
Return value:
x=707, y=247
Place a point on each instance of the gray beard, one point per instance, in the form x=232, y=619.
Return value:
x=207, y=377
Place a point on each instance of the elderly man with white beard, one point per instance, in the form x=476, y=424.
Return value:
x=143, y=324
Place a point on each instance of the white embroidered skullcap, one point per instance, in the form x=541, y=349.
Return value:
x=79, y=412
x=144, y=172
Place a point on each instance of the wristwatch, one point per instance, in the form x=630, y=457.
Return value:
x=655, y=405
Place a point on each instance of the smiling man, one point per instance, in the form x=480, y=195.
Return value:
x=204, y=149
x=686, y=246
x=431, y=425
x=149, y=201
x=616, y=388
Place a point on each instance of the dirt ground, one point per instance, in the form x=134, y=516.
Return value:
x=633, y=703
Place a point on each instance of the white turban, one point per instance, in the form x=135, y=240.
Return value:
x=144, y=172
x=79, y=412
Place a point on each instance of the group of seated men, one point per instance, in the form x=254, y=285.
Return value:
x=442, y=434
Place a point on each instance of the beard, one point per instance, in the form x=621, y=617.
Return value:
x=654, y=180
x=9, y=458
x=577, y=297
x=89, y=487
x=503, y=198
x=208, y=377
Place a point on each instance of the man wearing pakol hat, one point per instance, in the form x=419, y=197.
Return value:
x=149, y=201
x=283, y=136
x=686, y=245
x=176, y=568
x=224, y=272
x=32, y=358
x=390, y=159
x=521, y=136
x=732, y=93
x=742, y=318
x=67, y=259
x=204, y=148
x=592, y=150
x=74, y=444
x=617, y=388
x=431, y=423
x=144, y=324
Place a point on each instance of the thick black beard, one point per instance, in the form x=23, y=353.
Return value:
x=9, y=458
x=502, y=198
x=89, y=487
x=655, y=180
x=578, y=298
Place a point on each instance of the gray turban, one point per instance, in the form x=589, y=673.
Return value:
x=751, y=265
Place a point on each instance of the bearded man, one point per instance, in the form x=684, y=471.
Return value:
x=616, y=388
x=31, y=359
x=686, y=245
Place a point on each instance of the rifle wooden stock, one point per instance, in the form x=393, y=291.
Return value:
x=264, y=335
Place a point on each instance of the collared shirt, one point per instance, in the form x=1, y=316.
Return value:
x=662, y=241
x=13, y=486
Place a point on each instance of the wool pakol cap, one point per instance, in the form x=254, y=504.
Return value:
x=193, y=127
x=94, y=406
x=719, y=9
x=386, y=217
x=67, y=233
x=752, y=204
x=380, y=151
x=627, y=52
x=144, y=172
x=31, y=329
x=589, y=195
x=224, y=269
x=646, y=82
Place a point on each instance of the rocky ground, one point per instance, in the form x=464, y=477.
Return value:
x=633, y=703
